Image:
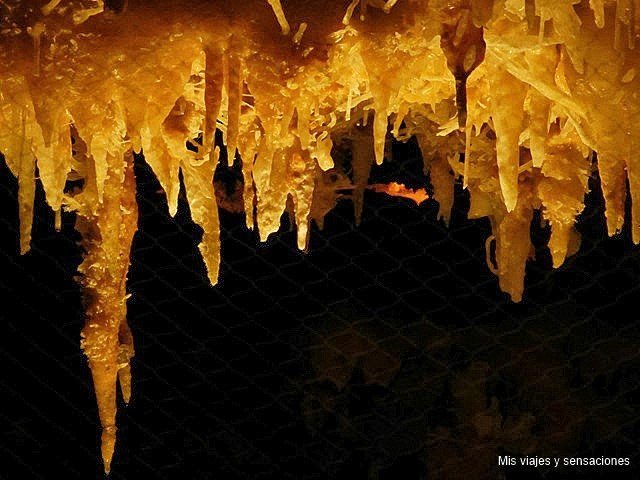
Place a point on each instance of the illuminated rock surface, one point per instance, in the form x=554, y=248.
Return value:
x=511, y=97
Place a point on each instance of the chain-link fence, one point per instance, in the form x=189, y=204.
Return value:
x=386, y=352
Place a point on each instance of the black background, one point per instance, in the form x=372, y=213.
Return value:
x=342, y=363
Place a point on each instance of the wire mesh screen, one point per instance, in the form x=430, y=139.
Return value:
x=385, y=352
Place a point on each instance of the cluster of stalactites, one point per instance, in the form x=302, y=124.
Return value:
x=510, y=96
x=526, y=93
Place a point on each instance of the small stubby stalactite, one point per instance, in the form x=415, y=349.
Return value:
x=463, y=44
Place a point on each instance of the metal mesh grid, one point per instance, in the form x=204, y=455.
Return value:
x=385, y=352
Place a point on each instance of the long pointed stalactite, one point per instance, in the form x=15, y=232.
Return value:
x=510, y=98
x=106, y=339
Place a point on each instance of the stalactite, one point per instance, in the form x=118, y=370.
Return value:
x=107, y=237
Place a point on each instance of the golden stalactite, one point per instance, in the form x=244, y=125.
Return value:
x=106, y=340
